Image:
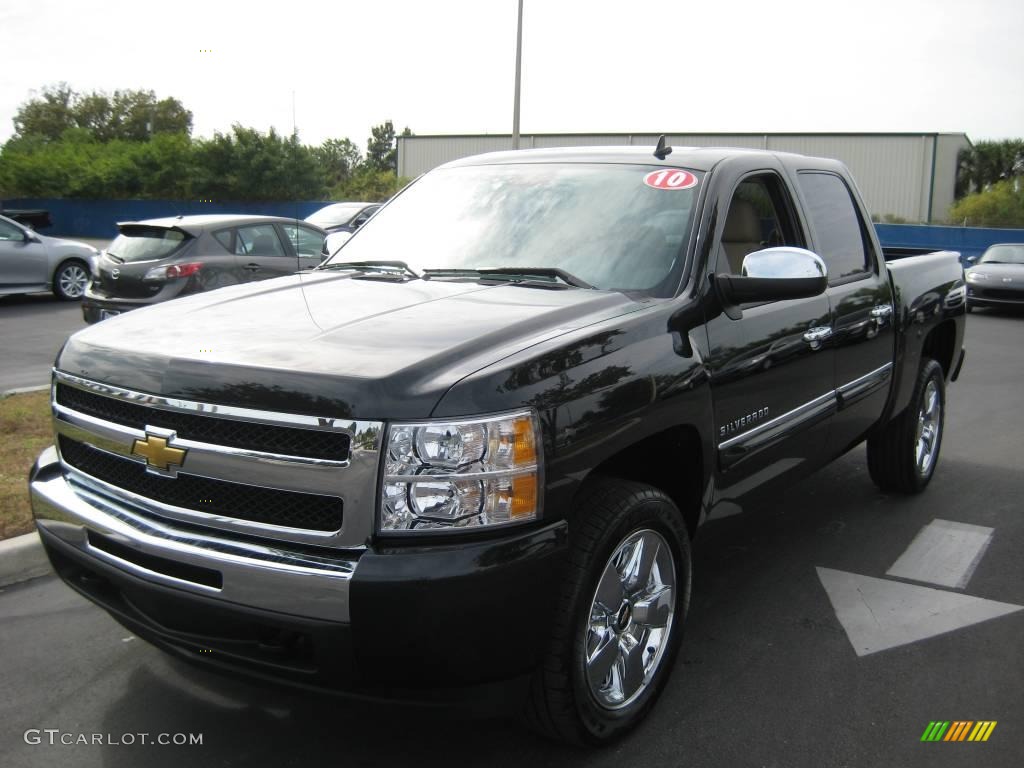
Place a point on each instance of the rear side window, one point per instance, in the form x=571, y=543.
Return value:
x=141, y=243
x=260, y=240
x=224, y=238
x=841, y=238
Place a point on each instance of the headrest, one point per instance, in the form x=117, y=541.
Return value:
x=742, y=225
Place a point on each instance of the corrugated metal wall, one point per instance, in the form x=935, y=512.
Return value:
x=893, y=171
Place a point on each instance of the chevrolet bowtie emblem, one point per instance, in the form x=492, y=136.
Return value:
x=158, y=454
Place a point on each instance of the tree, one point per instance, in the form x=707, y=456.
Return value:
x=78, y=166
x=132, y=115
x=1001, y=205
x=988, y=162
x=338, y=160
x=249, y=165
x=47, y=116
x=369, y=185
x=382, y=149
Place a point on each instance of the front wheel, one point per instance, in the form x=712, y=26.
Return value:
x=70, y=280
x=903, y=455
x=619, y=623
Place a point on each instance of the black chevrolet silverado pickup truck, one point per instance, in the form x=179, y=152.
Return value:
x=474, y=446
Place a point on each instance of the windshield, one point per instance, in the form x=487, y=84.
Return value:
x=145, y=243
x=335, y=215
x=1004, y=254
x=606, y=224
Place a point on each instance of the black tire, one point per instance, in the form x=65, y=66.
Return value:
x=70, y=280
x=562, y=703
x=893, y=459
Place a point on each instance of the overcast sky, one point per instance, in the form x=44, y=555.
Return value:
x=446, y=66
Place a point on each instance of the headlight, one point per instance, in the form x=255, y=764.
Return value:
x=977, y=276
x=445, y=475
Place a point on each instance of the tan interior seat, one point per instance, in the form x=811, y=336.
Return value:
x=742, y=234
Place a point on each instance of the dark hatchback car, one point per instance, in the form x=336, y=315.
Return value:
x=160, y=259
x=997, y=279
x=343, y=217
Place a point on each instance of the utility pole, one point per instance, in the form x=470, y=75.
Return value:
x=519, y=66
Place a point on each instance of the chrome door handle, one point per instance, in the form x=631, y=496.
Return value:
x=882, y=310
x=815, y=336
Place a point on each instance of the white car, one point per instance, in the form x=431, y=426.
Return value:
x=30, y=262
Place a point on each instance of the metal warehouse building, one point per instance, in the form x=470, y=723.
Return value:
x=909, y=175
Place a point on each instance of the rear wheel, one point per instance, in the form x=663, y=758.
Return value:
x=619, y=623
x=70, y=280
x=902, y=457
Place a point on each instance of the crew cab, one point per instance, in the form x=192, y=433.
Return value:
x=481, y=457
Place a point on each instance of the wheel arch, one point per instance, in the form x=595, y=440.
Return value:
x=670, y=460
x=940, y=345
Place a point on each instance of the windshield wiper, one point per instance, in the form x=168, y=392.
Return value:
x=513, y=274
x=373, y=266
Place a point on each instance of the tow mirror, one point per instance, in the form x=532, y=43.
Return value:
x=773, y=274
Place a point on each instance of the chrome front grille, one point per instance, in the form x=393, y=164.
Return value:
x=286, y=477
x=220, y=498
x=291, y=441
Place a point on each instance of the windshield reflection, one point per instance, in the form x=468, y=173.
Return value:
x=597, y=221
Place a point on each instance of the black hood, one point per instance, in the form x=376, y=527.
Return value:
x=328, y=343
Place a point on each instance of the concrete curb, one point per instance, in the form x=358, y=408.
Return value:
x=23, y=390
x=22, y=558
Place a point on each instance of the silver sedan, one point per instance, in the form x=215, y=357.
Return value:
x=31, y=262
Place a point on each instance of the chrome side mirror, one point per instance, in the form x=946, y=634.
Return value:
x=773, y=274
x=785, y=262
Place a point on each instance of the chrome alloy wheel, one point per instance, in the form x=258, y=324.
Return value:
x=72, y=281
x=630, y=619
x=929, y=424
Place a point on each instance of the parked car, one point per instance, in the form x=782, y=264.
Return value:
x=30, y=262
x=160, y=259
x=997, y=278
x=343, y=217
x=481, y=456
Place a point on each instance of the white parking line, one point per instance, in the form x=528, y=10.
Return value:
x=878, y=614
x=944, y=553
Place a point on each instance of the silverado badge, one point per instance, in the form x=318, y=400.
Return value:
x=158, y=454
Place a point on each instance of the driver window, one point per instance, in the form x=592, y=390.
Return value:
x=759, y=216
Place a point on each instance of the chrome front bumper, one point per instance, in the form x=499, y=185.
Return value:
x=253, y=574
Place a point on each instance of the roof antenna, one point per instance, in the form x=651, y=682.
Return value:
x=662, y=151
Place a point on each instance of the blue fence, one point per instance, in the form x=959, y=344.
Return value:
x=98, y=218
x=970, y=241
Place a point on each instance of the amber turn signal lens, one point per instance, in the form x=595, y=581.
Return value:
x=524, y=496
x=525, y=450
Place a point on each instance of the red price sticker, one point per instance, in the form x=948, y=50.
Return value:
x=670, y=178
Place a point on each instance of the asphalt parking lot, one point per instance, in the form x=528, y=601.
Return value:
x=778, y=668
x=33, y=329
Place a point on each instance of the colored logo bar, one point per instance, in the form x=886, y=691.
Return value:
x=958, y=730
